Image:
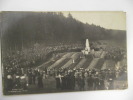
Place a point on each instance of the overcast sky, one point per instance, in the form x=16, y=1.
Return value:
x=109, y=20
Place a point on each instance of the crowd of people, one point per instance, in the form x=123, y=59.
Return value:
x=16, y=62
x=65, y=79
x=116, y=54
x=92, y=79
x=31, y=57
x=19, y=70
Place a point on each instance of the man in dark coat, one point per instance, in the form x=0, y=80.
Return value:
x=68, y=79
x=57, y=83
x=72, y=80
x=9, y=82
x=90, y=82
x=96, y=83
x=29, y=76
x=64, y=83
x=33, y=77
x=40, y=83
x=81, y=83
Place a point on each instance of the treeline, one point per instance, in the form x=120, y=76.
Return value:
x=23, y=29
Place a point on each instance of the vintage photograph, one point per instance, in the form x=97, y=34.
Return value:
x=66, y=51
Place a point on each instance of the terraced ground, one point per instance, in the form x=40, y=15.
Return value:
x=93, y=63
x=73, y=60
x=62, y=63
x=104, y=65
x=73, y=57
x=81, y=63
x=74, y=64
x=87, y=63
x=67, y=55
x=51, y=61
x=102, y=54
x=99, y=63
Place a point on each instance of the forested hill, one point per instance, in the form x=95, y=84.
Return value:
x=28, y=28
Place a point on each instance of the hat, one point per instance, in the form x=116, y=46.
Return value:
x=9, y=77
x=22, y=77
x=17, y=76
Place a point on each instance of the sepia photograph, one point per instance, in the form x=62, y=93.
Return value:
x=66, y=51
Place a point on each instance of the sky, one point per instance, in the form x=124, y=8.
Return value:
x=107, y=19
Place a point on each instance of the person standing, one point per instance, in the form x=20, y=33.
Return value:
x=101, y=84
x=59, y=81
x=29, y=76
x=40, y=83
x=64, y=82
x=81, y=83
x=33, y=77
x=23, y=81
x=86, y=80
x=9, y=82
x=72, y=81
x=90, y=82
x=96, y=87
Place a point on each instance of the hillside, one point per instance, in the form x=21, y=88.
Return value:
x=27, y=28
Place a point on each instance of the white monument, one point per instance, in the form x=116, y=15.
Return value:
x=87, y=48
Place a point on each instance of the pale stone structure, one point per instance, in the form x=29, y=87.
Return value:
x=87, y=48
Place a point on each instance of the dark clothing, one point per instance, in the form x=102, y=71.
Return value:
x=58, y=83
x=90, y=83
x=68, y=82
x=33, y=78
x=9, y=84
x=72, y=82
x=64, y=82
x=96, y=83
x=81, y=83
x=40, y=83
x=101, y=86
x=30, y=78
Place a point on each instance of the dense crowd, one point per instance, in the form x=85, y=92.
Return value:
x=65, y=79
x=32, y=57
x=116, y=54
x=15, y=62
x=20, y=70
